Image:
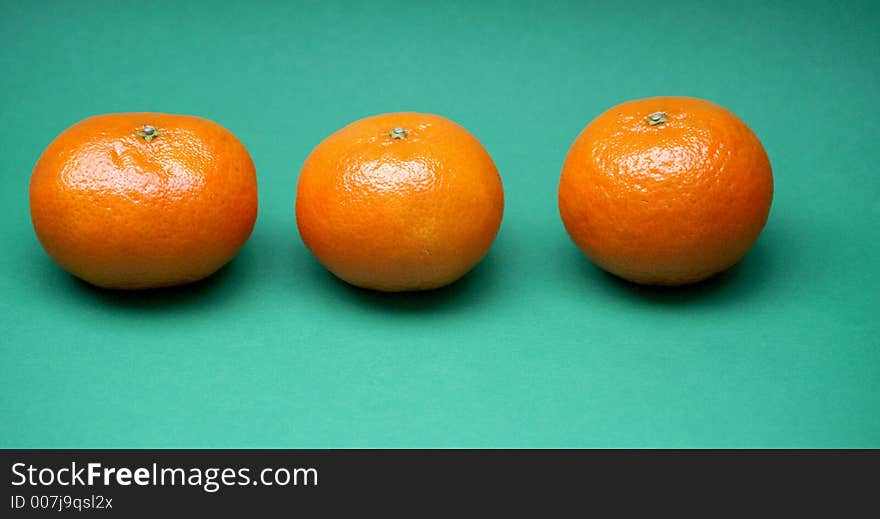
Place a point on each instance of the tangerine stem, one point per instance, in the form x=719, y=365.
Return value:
x=148, y=133
x=657, y=118
x=398, y=133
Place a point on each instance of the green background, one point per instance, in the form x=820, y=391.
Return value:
x=536, y=347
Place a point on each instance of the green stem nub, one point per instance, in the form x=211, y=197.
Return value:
x=148, y=133
x=657, y=118
x=398, y=133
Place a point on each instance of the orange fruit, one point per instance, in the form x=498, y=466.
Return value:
x=400, y=201
x=665, y=190
x=143, y=200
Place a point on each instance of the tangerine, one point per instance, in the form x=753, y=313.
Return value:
x=143, y=200
x=399, y=202
x=666, y=190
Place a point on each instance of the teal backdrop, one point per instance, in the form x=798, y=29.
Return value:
x=536, y=347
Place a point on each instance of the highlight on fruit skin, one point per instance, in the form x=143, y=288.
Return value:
x=399, y=202
x=143, y=200
x=665, y=190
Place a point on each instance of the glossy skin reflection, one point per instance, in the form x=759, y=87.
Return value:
x=121, y=209
x=666, y=190
x=398, y=202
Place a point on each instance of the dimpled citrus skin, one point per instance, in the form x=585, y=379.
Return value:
x=412, y=213
x=667, y=204
x=122, y=212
